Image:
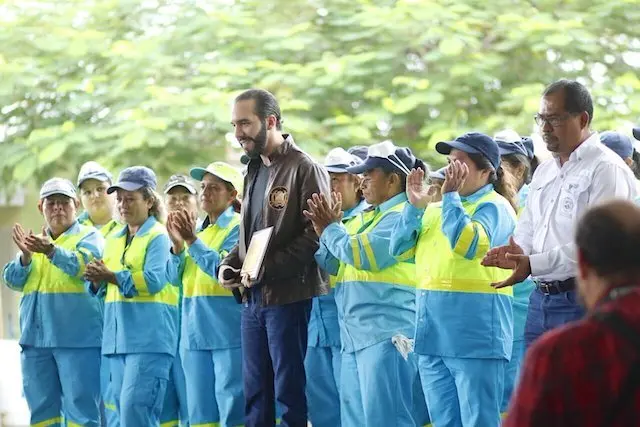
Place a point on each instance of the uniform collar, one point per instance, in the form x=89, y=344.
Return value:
x=144, y=228
x=482, y=191
x=582, y=151
x=395, y=200
x=223, y=220
x=350, y=213
x=73, y=229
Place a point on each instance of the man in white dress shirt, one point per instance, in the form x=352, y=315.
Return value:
x=582, y=173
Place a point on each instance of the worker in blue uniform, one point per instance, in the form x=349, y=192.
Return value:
x=140, y=334
x=464, y=331
x=61, y=326
x=322, y=362
x=375, y=294
x=180, y=195
x=210, y=339
x=99, y=209
x=516, y=157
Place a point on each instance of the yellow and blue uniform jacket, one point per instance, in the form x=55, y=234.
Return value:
x=210, y=314
x=105, y=230
x=141, y=311
x=324, y=330
x=459, y=314
x=55, y=310
x=375, y=293
x=521, y=291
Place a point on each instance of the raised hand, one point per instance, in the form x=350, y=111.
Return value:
x=417, y=190
x=454, y=176
x=321, y=214
x=509, y=257
x=39, y=244
x=185, y=225
x=96, y=271
x=176, y=238
x=19, y=236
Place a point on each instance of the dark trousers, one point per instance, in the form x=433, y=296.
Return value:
x=547, y=312
x=274, y=346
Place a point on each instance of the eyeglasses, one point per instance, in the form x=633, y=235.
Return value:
x=554, y=121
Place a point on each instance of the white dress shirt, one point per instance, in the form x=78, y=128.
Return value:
x=559, y=195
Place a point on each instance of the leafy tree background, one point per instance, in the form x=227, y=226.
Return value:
x=151, y=82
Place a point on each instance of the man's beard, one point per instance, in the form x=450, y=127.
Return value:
x=259, y=143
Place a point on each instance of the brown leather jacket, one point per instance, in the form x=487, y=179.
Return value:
x=290, y=272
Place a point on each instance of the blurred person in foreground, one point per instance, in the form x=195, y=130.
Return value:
x=61, y=325
x=587, y=374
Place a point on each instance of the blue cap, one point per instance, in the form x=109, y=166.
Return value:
x=58, y=186
x=527, y=143
x=439, y=174
x=473, y=143
x=388, y=157
x=93, y=170
x=619, y=143
x=360, y=151
x=134, y=178
x=636, y=133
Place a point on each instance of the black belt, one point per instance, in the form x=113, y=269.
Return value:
x=556, y=286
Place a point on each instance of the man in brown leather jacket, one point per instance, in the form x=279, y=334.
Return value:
x=280, y=178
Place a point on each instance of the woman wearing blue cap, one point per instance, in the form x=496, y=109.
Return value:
x=464, y=331
x=140, y=334
x=93, y=181
x=623, y=146
x=322, y=362
x=375, y=294
x=210, y=341
x=61, y=326
x=517, y=157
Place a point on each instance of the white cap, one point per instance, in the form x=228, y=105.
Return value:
x=58, y=186
x=93, y=170
x=507, y=135
x=338, y=160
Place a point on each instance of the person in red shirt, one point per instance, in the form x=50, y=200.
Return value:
x=587, y=373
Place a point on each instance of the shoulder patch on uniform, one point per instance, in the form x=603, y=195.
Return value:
x=278, y=197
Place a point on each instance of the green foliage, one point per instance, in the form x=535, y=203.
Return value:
x=127, y=82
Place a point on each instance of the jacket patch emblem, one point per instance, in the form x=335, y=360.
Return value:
x=278, y=197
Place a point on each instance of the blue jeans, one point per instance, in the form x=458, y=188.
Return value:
x=547, y=312
x=274, y=346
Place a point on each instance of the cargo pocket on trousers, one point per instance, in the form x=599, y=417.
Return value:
x=149, y=393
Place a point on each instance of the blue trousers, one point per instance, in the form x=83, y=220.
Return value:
x=547, y=312
x=109, y=406
x=462, y=392
x=376, y=387
x=274, y=345
x=214, y=386
x=512, y=373
x=57, y=378
x=139, y=383
x=322, y=365
x=174, y=408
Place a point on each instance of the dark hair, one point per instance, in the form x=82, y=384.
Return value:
x=576, y=97
x=635, y=166
x=265, y=104
x=520, y=159
x=502, y=180
x=236, y=203
x=608, y=237
x=534, y=162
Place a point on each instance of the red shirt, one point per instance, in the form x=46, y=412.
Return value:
x=571, y=375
